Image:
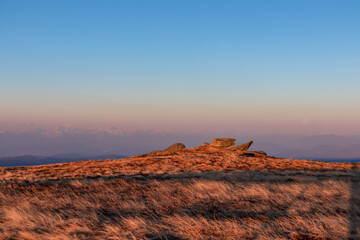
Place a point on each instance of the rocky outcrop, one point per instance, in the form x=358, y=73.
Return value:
x=169, y=150
x=217, y=144
x=223, y=142
x=174, y=148
x=242, y=147
x=260, y=152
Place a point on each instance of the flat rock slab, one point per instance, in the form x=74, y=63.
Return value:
x=242, y=147
x=223, y=142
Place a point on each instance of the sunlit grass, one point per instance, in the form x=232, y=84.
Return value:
x=188, y=195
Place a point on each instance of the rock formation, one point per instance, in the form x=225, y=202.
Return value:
x=174, y=148
x=223, y=142
x=217, y=144
x=260, y=152
x=169, y=150
x=242, y=147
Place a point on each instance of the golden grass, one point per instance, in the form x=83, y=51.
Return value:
x=194, y=194
x=189, y=160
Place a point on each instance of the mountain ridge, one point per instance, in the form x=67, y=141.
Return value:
x=31, y=160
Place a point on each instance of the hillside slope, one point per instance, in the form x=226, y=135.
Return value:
x=200, y=159
x=201, y=193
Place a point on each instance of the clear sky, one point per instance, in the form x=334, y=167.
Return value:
x=223, y=66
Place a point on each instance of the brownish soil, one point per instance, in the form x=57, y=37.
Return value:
x=199, y=193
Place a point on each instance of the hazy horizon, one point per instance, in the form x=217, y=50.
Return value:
x=68, y=141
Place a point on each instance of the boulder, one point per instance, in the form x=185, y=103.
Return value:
x=223, y=142
x=169, y=150
x=260, y=152
x=242, y=147
x=174, y=148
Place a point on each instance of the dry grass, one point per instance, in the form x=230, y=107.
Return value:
x=190, y=195
x=189, y=160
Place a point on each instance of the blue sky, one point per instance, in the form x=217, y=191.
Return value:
x=274, y=66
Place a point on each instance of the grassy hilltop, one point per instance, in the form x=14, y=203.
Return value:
x=201, y=193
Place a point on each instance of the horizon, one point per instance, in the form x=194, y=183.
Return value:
x=93, y=142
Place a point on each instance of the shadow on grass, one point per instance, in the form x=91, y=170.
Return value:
x=354, y=221
x=215, y=210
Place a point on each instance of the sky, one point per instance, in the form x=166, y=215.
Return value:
x=259, y=67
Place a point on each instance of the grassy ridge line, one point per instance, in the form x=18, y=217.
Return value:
x=188, y=160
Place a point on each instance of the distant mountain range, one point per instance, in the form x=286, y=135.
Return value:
x=42, y=146
x=29, y=160
x=324, y=147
